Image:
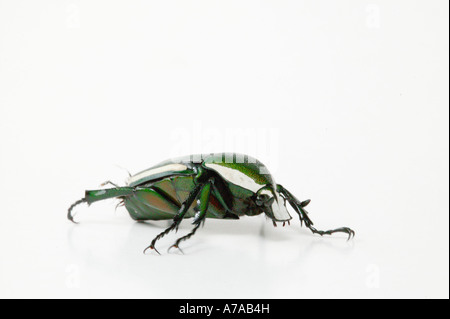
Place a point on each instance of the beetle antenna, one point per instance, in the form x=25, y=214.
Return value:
x=110, y=183
x=129, y=174
x=69, y=214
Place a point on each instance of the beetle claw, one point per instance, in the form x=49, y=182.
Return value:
x=351, y=234
x=70, y=217
x=152, y=248
x=175, y=246
x=69, y=213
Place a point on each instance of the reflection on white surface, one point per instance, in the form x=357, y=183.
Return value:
x=245, y=258
x=248, y=258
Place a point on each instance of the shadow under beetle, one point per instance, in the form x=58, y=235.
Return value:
x=223, y=186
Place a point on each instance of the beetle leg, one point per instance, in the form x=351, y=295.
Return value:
x=120, y=204
x=69, y=214
x=220, y=198
x=303, y=214
x=346, y=230
x=176, y=245
x=178, y=217
x=92, y=196
x=200, y=216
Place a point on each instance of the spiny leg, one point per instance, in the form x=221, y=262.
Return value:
x=350, y=232
x=92, y=196
x=121, y=203
x=178, y=217
x=303, y=214
x=200, y=216
x=177, y=243
x=308, y=222
x=296, y=204
x=220, y=197
x=69, y=213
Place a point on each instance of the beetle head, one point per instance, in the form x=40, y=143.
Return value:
x=272, y=204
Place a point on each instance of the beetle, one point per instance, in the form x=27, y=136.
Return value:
x=223, y=186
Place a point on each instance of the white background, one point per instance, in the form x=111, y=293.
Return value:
x=345, y=101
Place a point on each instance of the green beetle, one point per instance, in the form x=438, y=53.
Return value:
x=224, y=186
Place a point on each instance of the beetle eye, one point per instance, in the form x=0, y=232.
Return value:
x=261, y=199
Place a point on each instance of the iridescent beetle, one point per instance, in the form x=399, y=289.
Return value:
x=223, y=186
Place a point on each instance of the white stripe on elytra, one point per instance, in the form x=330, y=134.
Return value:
x=236, y=177
x=158, y=170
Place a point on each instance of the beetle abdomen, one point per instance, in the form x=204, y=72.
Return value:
x=147, y=203
x=162, y=200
